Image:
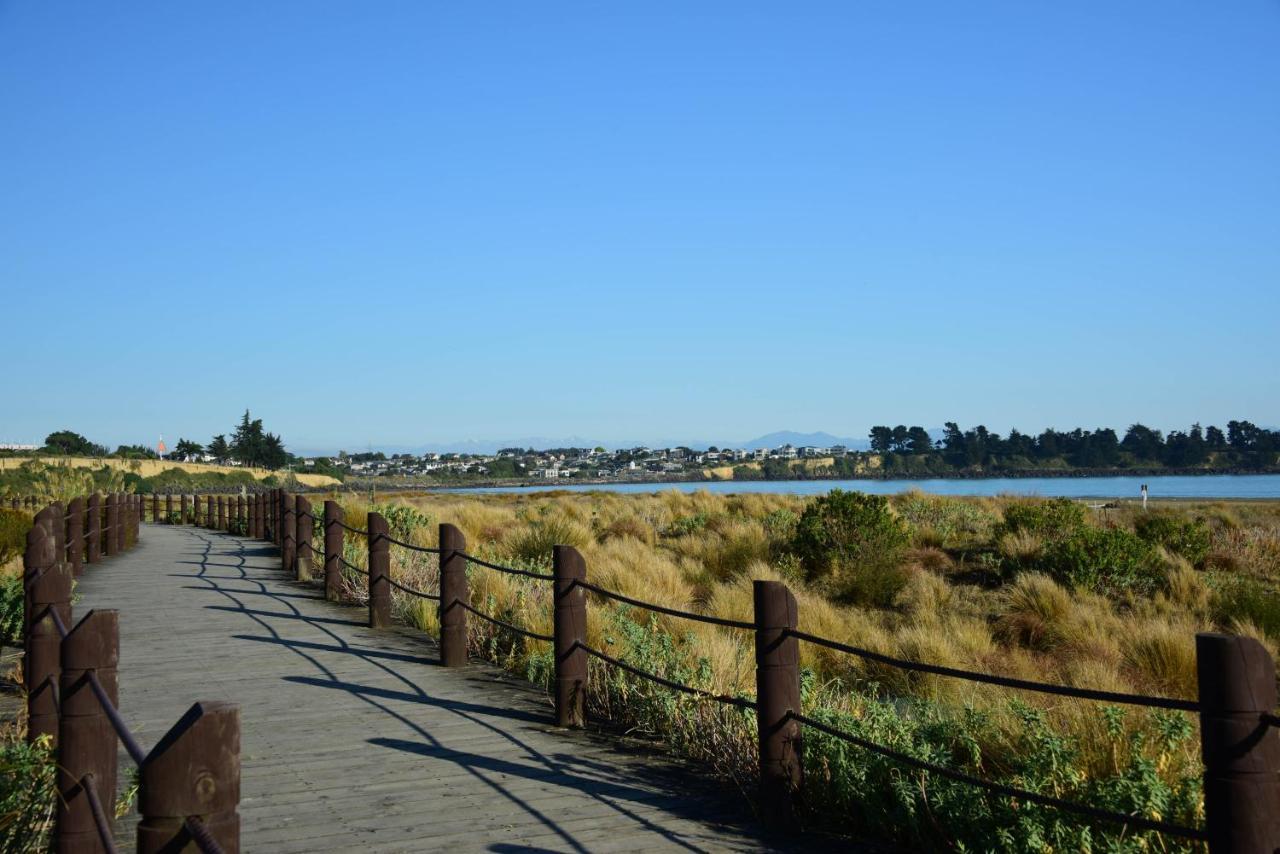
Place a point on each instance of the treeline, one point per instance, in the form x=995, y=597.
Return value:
x=250, y=445
x=1243, y=445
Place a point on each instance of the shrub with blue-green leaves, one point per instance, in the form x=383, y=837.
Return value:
x=1106, y=560
x=851, y=545
x=1050, y=519
x=1189, y=538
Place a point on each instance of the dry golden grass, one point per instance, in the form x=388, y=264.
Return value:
x=151, y=468
x=701, y=552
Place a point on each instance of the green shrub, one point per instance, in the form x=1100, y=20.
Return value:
x=848, y=787
x=951, y=519
x=851, y=544
x=1106, y=560
x=686, y=525
x=14, y=525
x=11, y=610
x=26, y=793
x=534, y=542
x=1053, y=519
x=1242, y=598
x=1187, y=537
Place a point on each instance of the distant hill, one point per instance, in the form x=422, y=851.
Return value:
x=790, y=437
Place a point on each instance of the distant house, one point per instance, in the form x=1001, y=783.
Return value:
x=839, y=451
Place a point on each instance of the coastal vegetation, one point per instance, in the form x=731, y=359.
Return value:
x=1107, y=598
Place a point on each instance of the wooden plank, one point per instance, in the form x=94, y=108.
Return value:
x=356, y=738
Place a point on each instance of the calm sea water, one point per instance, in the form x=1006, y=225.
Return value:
x=1201, y=486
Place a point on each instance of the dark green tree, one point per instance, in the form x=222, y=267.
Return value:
x=69, y=443
x=219, y=449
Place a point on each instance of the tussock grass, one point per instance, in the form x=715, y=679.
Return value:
x=974, y=595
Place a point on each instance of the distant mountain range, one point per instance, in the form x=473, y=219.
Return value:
x=491, y=446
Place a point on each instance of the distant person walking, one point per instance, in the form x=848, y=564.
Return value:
x=1144, y=496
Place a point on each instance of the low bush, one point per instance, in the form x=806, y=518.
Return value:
x=1187, y=537
x=14, y=525
x=852, y=545
x=27, y=793
x=1106, y=560
x=1053, y=519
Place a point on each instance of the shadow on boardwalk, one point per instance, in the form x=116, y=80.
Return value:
x=357, y=738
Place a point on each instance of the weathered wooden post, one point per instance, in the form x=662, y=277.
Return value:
x=1241, y=752
x=277, y=517
x=93, y=551
x=333, y=539
x=155, y=508
x=112, y=514
x=86, y=740
x=453, y=590
x=118, y=522
x=75, y=535
x=240, y=517
x=255, y=516
x=379, y=571
x=288, y=531
x=570, y=631
x=194, y=771
x=777, y=696
x=302, y=539
x=48, y=590
x=222, y=513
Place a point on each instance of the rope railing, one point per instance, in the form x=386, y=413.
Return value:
x=509, y=570
x=351, y=566
x=1136, y=822
x=412, y=592
x=344, y=526
x=1003, y=681
x=402, y=544
x=740, y=702
x=662, y=609
x=100, y=821
x=131, y=746
x=497, y=622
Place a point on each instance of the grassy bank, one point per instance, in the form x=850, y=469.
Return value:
x=1040, y=590
x=150, y=469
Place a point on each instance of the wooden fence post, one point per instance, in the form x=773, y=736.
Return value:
x=48, y=589
x=93, y=546
x=107, y=539
x=288, y=534
x=117, y=522
x=379, y=571
x=193, y=771
x=86, y=740
x=241, y=516
x=75, y=535
x=570, y=631
x=1241, y=753
x=168, y=508
x=302, y=539
x=453, y=590
x=155, y=508
x=777, y=696
x=182, y=518
x=222, y=513
x=333, y=539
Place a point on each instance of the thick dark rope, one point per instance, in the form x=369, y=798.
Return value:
x=203, y=838
x=701, y=618
x=131, y=746
x=505, y=625
x=392, y=539
x=1136, y=822
x=351, y=566
x=740, y=702
x=1005, y=681
x=397, y=585
x=510, y=570
x=89, y=785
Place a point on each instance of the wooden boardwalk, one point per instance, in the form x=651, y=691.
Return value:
x=355, y=739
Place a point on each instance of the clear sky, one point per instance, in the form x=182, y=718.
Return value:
x=413, y=222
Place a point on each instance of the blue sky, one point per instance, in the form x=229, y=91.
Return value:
x=397, y=223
